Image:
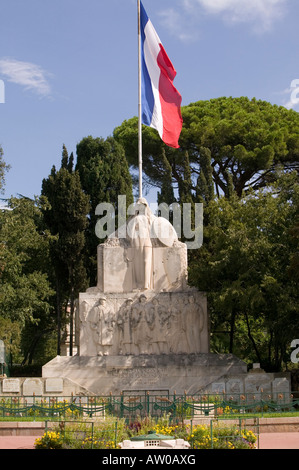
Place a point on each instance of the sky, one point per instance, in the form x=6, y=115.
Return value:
x=69, y=68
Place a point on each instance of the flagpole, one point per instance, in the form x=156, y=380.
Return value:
x=139, y=104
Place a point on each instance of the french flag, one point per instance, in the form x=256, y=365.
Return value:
x=161, y=102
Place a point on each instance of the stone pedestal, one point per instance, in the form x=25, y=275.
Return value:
x=172, y=372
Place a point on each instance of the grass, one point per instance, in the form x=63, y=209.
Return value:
x=285, y=414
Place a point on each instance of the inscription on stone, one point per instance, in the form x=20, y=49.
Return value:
x=11, y=385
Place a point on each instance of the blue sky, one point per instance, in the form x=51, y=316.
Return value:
x=69, y=67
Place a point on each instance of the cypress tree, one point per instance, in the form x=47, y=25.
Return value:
x=104, y=175
x=67, y=219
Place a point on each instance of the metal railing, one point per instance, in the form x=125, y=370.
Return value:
x=227, y=434
x=86, y=433
x=131, y=405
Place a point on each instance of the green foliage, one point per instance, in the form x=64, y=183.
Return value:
x=107, y=434
x=104, y=175
x=222, y=437
x=25, y=291
x=245, y=140
x=245, y=265
x=66, y=218
x=167, y=194
x=10, y=333
x=50, y=440
x=3, y=169
x=103, y=170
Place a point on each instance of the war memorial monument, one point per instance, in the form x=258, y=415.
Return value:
x=143, y=328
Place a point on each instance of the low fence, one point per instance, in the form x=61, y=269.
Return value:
x=130, y=405
x=225, y=434
x=83, y=434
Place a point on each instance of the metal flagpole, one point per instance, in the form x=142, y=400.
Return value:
x=139, y=103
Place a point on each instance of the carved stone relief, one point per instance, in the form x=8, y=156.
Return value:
x=154, y=324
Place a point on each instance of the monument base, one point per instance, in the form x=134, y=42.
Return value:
x=178, y=373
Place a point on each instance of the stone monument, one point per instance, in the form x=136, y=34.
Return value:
x=142, y=327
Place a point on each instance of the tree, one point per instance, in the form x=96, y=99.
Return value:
x=104, y=175
x=166, y=195
x=204, y=191
x=3, y=169
x=25, y=290
x=244, y=265
x=66, y=218
x=246, y=139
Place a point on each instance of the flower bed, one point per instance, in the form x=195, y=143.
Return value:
x=107, y=434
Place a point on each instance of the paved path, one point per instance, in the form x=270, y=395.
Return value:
x=273, y=440
x=17, y=442
x=279, y=440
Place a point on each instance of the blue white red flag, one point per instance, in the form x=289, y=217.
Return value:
x=161, y=102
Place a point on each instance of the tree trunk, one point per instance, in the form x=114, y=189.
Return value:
x=232, y=331
x=251, y=338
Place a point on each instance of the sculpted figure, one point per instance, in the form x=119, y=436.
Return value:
x=101, y=325
x=139, y=232
x=159, y=343
x=140, y=324
x=193, y=325
x=106, y=330
x=152, y=321
x=176, y=336
x=84, y=328
x=93, y=319
x=124, y=325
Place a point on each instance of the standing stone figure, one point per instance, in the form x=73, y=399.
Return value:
x=84, y=328
x=158, y=342
x=93, y=319
x=106, y=332
x=124, y=328
x=193, y=325
x=140, y=327
x=101, y=326
x=139, y=232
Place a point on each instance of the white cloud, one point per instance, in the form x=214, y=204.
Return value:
x=26, y=74
x=173, y=22
x=293, y=94
x=260, y=13
x=184, y=19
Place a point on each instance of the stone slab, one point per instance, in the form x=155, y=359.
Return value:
x=33, y=387
x=54, y=385
x=11, y=385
